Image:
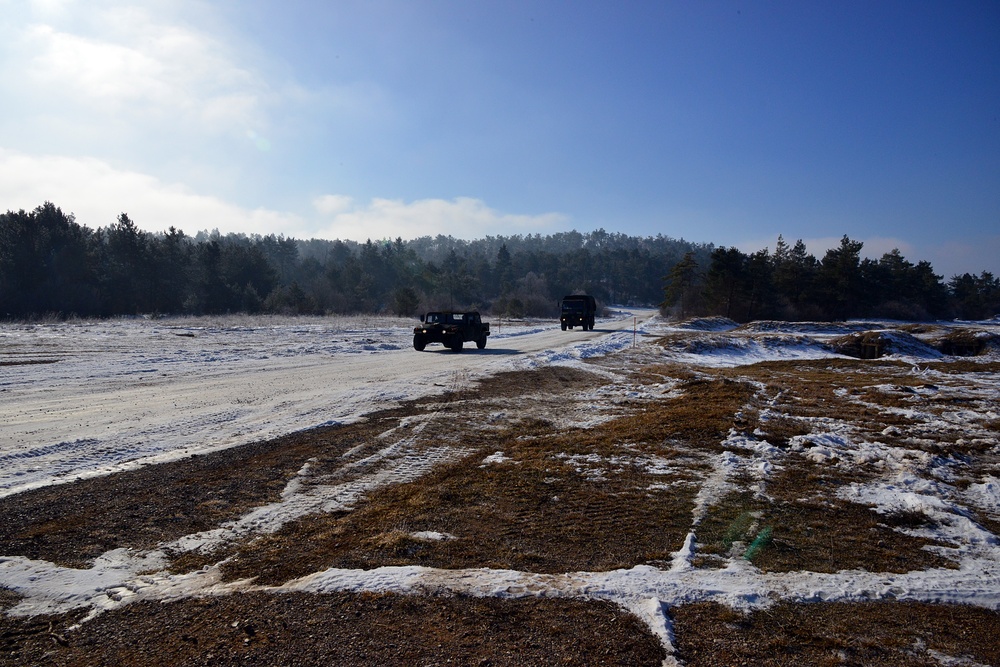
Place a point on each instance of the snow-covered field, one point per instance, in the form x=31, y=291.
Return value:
x=88, y=398
x=106, y=396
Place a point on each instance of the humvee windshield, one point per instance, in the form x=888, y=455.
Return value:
x=443, y=318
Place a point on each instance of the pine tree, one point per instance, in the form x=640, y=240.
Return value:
x=680, y=288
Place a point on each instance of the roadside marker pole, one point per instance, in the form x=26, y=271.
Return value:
x=635, y=321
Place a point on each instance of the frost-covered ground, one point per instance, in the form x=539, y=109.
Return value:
x=121, y=394
x=87, y=398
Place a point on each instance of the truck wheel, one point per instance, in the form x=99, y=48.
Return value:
x=456, y=344
x=481, y=343
x=419, y=343
x=564, y=326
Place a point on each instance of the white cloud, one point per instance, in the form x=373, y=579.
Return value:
x=93, y=69
x=169, y=88
x=462, y=217
x=333, y=204
x=50, y=7
x=143, y=65
x=96, y=193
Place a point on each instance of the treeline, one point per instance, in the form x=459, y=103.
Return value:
x=791, y=284
x=52, y=266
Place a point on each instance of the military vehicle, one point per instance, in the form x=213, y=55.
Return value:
x=451, y=330
x=578, y=311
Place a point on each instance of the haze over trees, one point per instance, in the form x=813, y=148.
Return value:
x=52, y=266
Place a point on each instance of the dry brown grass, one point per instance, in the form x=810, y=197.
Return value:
x=343, y=629
x=808, y=528
x=700, y=417
x=963, y=366
x=537, y=516
x=536, y=511
x=72, y=524
x=875, y=634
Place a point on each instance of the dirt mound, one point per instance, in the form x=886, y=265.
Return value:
x=708, y=324
x=775, y=326
x=750, y=347
x=969, y=343
x=876, y=344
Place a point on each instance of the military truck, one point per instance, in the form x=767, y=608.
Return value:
x=578, y=311
x=451, y=330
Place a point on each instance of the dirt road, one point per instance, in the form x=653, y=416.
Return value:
x=101, y=406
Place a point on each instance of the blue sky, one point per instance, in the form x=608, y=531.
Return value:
x=720, y=122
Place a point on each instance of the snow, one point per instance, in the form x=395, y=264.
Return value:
x=735, y=349
x=727, y=345
x=105, y=396
x=108, y=396
x=985, y=496
x=495, y=457
x=431, y=535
